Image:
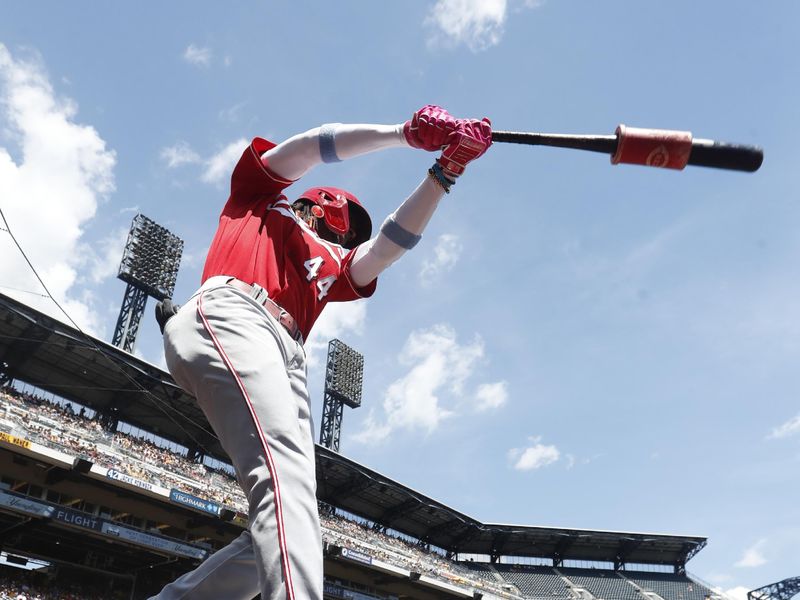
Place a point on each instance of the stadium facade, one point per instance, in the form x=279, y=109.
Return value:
x=81, y=490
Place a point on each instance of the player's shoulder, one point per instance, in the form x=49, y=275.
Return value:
x=281, y=203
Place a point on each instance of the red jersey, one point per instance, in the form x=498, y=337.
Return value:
x=260, y=240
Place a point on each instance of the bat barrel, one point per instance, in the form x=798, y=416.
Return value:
x=709, y=153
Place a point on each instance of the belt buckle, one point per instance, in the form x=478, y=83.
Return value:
x=258, y=293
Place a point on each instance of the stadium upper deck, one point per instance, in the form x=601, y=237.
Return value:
x=41, y=351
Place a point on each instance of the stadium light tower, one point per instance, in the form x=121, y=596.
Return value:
x=344, y=377
x=150, y=267
x=781, y=590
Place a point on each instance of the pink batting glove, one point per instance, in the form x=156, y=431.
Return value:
x=469, y=141
x=429, y=128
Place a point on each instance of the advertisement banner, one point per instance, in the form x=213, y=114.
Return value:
x=180, y=497
x=83, y=520
x=333, y=591
x=29, y=506
x=154, y=541
x=11, y=439
x=119, y=476
x=76, y=518
x=357, y=556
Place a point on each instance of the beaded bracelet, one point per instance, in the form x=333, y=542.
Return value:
x=437, y=174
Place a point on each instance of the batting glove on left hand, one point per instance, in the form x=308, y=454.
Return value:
x=470, y=140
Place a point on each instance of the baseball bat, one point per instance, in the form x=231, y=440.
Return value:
x=651, y=147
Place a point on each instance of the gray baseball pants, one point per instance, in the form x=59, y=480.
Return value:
x=249, y=378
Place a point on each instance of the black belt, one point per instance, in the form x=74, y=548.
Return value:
x=259, y=294
x=165, y=310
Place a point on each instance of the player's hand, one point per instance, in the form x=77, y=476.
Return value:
x=429, y=128
x=469, y=141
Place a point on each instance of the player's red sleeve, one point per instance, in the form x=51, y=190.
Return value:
x=252, y=179
x=344, y=289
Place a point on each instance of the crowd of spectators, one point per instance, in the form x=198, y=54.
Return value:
x=29, y=585
x=59, y=426
x=396, y=550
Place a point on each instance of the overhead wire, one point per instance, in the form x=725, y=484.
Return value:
x=8, y=287
x=157, y=402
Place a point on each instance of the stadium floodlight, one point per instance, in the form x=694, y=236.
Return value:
x=149, y=266
x=781, y=590
x=151, y=258
x=344, y=377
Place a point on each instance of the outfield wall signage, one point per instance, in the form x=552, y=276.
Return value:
x=180, y=497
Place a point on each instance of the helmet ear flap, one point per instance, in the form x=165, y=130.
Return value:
x=317, y=211
x=360, y=225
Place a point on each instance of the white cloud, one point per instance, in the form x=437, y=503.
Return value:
x=737, y=593
x=105, y=262
x=533, y=457
x=220, y=165
x=445, y=255
x=491, y=395
x=216, y=169
x=438, y=369
x=790, y=427
x=338, y=320
x=179, y=154
x=478, y=24
x=753, y=556
x=232, y=114
x=50, y=188
x=197, y=55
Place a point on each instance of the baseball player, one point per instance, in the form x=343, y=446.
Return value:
x=237, y=344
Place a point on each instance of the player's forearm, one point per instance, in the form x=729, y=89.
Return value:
x=333, y=142
x=399, y=233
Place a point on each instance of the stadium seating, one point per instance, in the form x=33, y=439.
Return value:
x=670, y=586
x=482, y=570
x=57, y=425
x=602, y=584
x=17, y=584
x=404, y=553
x=534, y=581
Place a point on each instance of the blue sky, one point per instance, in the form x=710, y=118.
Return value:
x=573, y=343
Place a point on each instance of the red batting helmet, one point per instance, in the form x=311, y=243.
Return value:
x=342, y=212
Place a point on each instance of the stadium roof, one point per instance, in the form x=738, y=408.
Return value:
x=55, y=357
x=355, y=488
